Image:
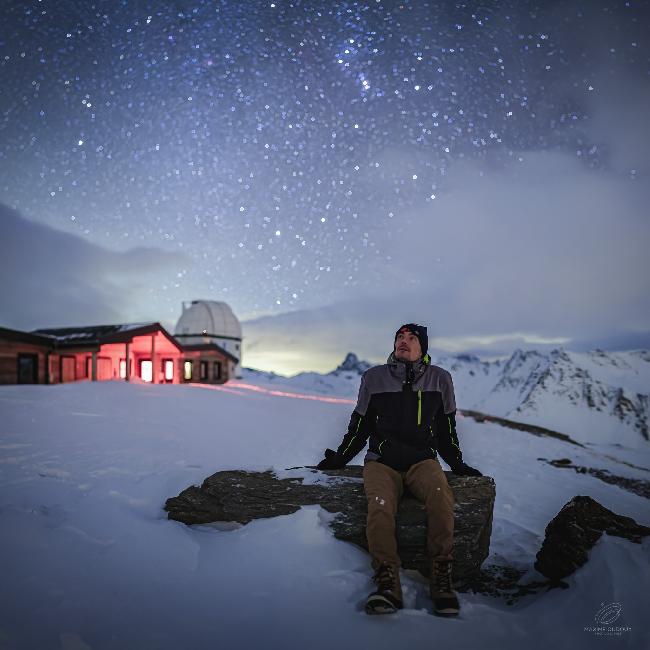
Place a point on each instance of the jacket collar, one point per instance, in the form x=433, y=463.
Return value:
x=407, y=372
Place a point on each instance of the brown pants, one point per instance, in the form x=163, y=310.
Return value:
x=384, y=487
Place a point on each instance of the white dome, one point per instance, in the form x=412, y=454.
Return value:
x=208, y=317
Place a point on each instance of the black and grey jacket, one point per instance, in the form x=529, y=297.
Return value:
x=408, y=413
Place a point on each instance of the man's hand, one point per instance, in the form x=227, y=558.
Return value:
x=465, y=470
x=331, y=461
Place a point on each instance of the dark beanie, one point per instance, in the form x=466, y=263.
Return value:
x=420, y=331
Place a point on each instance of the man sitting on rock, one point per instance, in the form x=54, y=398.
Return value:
x=407, y=408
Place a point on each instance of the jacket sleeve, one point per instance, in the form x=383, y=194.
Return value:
x=360, y=426
x=448, y=446
x=445, y=425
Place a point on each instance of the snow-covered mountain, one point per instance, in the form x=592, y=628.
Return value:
x=352, y=364
x=593, y=396
x=342, y=381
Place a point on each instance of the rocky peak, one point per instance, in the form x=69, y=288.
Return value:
x=352, y=363
x=467, y=358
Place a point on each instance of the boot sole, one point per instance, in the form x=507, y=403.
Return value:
x=446, y=613
x=378, y=605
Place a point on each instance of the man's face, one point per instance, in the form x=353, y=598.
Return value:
x=407, y=346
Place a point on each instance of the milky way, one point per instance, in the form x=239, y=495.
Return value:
x=252, y=136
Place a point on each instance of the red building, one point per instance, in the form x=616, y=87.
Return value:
x=142, y=351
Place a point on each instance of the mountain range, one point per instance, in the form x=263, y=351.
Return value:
x=594, y=396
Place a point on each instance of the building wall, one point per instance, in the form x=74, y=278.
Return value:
x=76, y=364
x=9, y=351
x=234, y=347
x=209, y=357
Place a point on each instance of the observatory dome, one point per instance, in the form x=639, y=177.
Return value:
x=207, y=318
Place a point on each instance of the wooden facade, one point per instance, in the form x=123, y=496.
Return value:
x=139, y=352
x=24, y=357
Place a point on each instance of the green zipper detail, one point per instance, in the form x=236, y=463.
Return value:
x=419, y=407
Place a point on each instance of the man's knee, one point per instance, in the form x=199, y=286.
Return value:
x=382, y=486
x=428, y=482
x=379, y=505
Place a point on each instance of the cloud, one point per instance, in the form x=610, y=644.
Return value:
x=612, y=89
x=545, y=246
x=619, y=121
x=51, y=278
x=542, y=252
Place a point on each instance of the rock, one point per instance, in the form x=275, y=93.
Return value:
x=571, y=534
x=635, y=485
x=239, y=496
x=520, y=426
x=352, y=363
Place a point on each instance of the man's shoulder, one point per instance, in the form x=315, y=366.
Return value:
x=437, y=378
x=373, y=373
x=438, y=371
x=378, y=378
x=375, y=370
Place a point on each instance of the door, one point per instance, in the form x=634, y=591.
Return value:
x=28, y=369
x=146, y=370
x=104, y=368
x=67, y=369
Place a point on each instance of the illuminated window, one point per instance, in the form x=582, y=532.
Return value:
x=204, y=369
x=146, y=370
x=187, y=370
x=122, y=368
x=169, y=369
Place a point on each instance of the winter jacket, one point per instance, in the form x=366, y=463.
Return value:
x=407, y=412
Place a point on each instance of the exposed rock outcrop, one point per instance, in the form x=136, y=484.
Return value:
x=573, y=532
x=238, y=496
x=635, y=485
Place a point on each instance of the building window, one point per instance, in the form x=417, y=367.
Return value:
x=204, y=370
x=89, y=367
x=187, y=371
x=236, y=346
x=217, y=370
x=146, y=370
x=168, y=369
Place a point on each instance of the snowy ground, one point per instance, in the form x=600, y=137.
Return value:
x=88, y=558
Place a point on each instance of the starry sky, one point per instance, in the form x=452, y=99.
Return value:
x=331, y=170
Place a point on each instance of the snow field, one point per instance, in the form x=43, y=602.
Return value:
x=89, y=559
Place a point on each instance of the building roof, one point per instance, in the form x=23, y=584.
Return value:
x=25, y=337
x=68, y=337
x=200, y=347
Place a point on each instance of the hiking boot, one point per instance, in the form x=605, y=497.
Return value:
x=445, y=602
x=388, y=597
